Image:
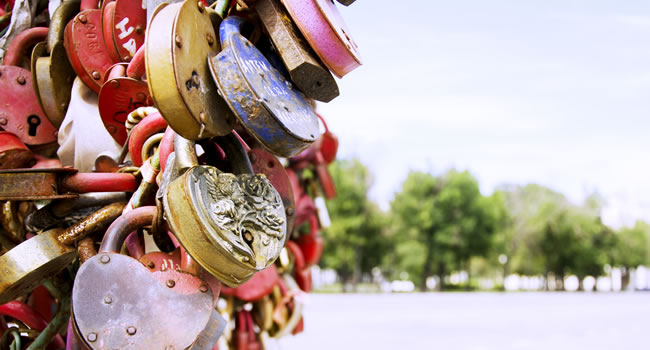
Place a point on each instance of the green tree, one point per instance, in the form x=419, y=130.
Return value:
x=631, y=249
x=355, y=242
x=449, y=218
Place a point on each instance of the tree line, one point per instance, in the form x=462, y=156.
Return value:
x=438, y=225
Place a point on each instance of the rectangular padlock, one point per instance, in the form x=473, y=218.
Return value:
x=305, y=68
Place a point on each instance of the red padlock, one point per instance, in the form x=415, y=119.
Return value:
x=312, y=244
x=257, y=287
x=129, y=24
x=23, y=313
x=83, y=41
x=13, y=152
x=246, y=339
x=108, y=10
x=151, y=124
x=20, y=112
x=301, y=271
x=122, y=93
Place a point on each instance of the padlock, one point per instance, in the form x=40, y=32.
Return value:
x=148, y=126
x=246, y=339
x=257, y=287
x=323, y=27
x=180, y=84
x=110, y=311
x=305, y=68
x=20, y=112
x=54, y=183
x=52, y=74
x=12, y=219
x=301, y=271
x=122, y=93
x=108, y=10
x=50, y=252
x=129, y=23
x=13, y=152
x=311, y=244
x=232, y=225
x=277, y=115
x=84, y=43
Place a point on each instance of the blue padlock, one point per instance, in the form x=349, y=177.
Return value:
x=266, y=104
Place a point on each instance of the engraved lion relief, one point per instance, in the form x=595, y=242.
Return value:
x=250, y=215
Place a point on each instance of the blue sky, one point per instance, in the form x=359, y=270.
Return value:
x=550, y=92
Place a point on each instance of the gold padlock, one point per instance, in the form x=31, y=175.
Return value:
x=232, y=225
x=179, y=38
x=30, y=263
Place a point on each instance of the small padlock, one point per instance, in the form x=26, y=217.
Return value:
x=311, y=244
x=277, y=115
x=232, y=225
x=180, y=84
x=52, y=74
x=110, y=311
x=20, y=112
x=301, y=271
x=50, y=252
x=323, y=27
x=122, y=93
x=305, y=68
x=257, y=287
x=83, y=41
x=55, y=183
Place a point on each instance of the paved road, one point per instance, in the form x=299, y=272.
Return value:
x=476, y=321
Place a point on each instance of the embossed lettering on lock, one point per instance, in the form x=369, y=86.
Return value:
x=266, y=104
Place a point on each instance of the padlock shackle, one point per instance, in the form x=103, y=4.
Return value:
x=23, y=313
x=136, y=67
x=149, y=125
x=228, y=27
x=89, y=5
x=166, y=147
x=22, y=42
x=94, y=222
x=99, y=182
x=236, y=153
x=185, y=151
x=124, y=225
x=62, y=15
x=298, y=257
x=117, y=70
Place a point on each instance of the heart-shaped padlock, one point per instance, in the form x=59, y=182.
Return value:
x=112, y=312
x=232, y=225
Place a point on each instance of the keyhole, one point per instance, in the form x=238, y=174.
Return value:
x=34, y=121
x=193, y=82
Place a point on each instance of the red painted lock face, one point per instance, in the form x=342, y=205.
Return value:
x=257, y=287
x=20, y=112
x=84, y=43
x=13, y=152
x=117, y=98
x=108, y=12
x=129, y=24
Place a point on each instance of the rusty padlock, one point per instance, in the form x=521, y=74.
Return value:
x=13, y=152
x=112, y=312
x=232, y=225
x=305, y=68
x=54, y=183
x=52, y=74
x=122, y=93
x=35, y=260
x=180, y=84
x=20, y=112
x=323, y=27
x=277, y=115
x=84, y=43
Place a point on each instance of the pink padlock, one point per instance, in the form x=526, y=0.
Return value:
x=323, y=27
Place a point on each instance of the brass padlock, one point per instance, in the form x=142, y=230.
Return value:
x=232, y=225
x=179, y=38
x=305, y=68
x=35, y=260
x=52, y=74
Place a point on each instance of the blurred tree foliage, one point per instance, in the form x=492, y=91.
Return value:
x=439, y=225
x=355, y=242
